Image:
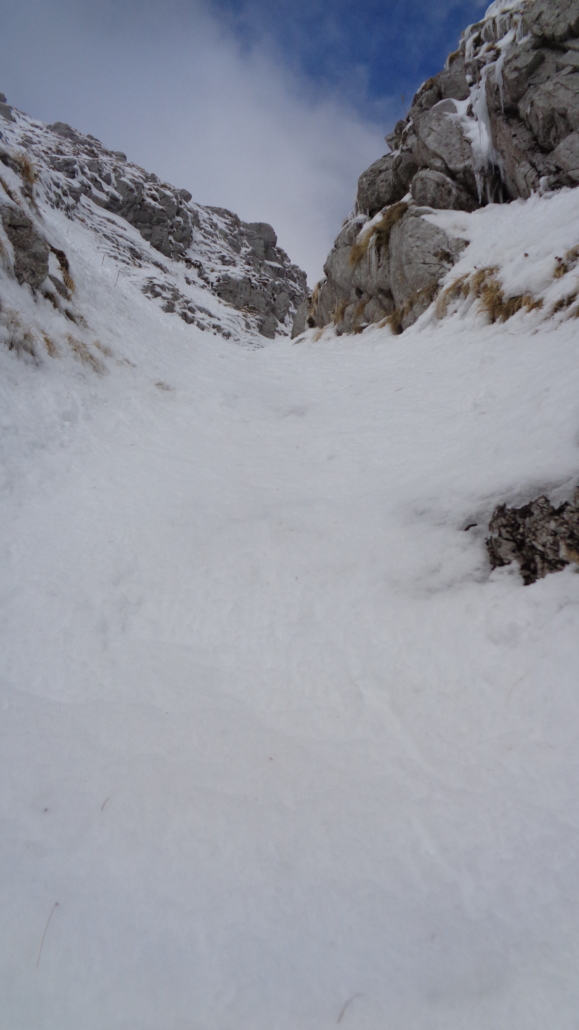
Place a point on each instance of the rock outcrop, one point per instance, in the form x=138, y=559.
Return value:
x=499, y=122
x=240, y=263
x=539, y=536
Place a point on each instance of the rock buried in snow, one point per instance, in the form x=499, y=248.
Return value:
x=540, y=537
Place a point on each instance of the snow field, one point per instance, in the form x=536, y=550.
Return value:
x=278, y=744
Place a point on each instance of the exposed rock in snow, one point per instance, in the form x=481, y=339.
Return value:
x=540, y=537
x=500, y=122
x=205, y=251
x=29, y=247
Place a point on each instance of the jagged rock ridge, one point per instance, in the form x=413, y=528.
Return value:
x=498, y=123
x=190, y=247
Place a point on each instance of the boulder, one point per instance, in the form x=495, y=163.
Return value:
x=553, y=21
x=551, y=110
x=6, y=112
x=379, y=186
x=30, y=248
x=64, y=130
x=566, y=156
x=262, y=240
x=420, y=255
x=434, y=189
x=442, y=146
x=300, y=319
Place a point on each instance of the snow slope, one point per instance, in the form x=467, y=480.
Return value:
x=278, y=751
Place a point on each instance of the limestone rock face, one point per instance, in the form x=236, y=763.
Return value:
x=240, y=263
x=540, y=537
x=434, y=189
x=30, y=248
x=553, y=20
x=498, y=123
x=420, y=255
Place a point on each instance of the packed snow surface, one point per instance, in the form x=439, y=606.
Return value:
x=279, y=752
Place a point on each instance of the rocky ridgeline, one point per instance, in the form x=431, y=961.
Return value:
x=239, y=263
x=498, y=123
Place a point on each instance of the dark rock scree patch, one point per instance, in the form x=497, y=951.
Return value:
x=539, y=536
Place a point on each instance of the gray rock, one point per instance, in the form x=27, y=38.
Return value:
x=540, y=537
x=522, y=163
x=514, y=77
x=449, y=84
x=554, y=21
x=568, y=60
x=241, y=294
x=379, y=186
x=268, y=327
x=434, y=189
x=6, y=112
x=30, y=248
x=281, y=305
x=442, y=145
x=566, y=155
x=551, y=110
x=420, y=255
x=300, y=319
x=62, y=129
x=452, y=81
x=2, y=98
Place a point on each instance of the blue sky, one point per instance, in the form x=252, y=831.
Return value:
x=371, y=51
x=271, y=108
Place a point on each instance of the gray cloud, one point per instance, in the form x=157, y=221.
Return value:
x=171, y=86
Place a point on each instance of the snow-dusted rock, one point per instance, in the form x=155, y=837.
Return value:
x=420, y=255
x=542, y=538
x=29, y=247
x=204, y=249
x=492, y=126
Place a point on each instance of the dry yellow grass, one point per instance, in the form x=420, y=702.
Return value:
x=26, y=168
x=396, y=319
x=484, y=286
x=564, y=302
x=81, y=351
x=379, y=232
x=50, y=346
x=64, y=269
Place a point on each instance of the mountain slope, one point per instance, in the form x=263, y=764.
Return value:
x=202, y=264
x=279, y=748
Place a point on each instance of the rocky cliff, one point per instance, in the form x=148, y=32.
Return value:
x=202, y=264
x=499, y=122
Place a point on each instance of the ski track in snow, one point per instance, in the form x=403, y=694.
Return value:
x=278, y=751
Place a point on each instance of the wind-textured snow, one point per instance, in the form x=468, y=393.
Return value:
x=279, y=752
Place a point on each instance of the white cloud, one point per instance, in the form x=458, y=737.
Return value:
x=171, y=86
